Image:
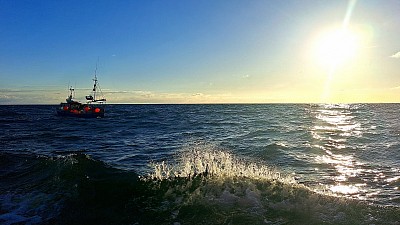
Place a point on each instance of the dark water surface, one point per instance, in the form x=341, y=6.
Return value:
x=202, y=164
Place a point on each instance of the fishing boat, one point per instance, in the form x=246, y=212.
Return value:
x=93, y=108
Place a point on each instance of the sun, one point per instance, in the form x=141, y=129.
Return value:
x=336, y=47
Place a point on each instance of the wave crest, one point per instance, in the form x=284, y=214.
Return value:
x=213, y=162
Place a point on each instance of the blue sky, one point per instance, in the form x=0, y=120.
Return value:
x=195, y=51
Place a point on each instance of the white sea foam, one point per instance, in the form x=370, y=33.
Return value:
x=210, y=161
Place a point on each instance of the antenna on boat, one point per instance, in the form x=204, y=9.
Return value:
x=71, y=89
x=95, y=80
x=96, y=86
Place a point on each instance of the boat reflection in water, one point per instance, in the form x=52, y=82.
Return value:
x=93, y=108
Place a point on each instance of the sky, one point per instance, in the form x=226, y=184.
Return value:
x=208, y=51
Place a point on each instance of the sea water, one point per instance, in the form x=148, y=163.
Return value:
x=202, y=164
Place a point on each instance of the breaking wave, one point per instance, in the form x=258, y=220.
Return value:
x=207, y=185
x=210, y=161
x=202, y=185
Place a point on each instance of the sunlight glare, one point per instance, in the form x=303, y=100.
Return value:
x=336, y=47
x=344, y=189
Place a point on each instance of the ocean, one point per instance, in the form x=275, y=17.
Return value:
x=202, y=164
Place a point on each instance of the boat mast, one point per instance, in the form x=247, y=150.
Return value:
x=92, y=98
x=71, y=95
x=95, y=83
x=71, y=92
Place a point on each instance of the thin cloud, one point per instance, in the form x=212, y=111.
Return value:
x=396, y=55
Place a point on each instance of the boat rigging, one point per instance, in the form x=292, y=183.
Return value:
x=93, y=108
